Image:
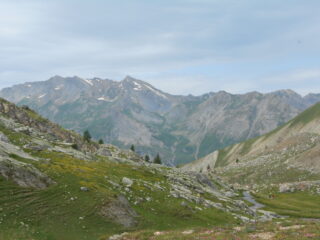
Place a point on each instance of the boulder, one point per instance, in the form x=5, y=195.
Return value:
x=120, y=211
x=4, y=138
x=285, y=187
x=118, y=236
x=203, y=179
x=84, y=189
x=23, y=174
x=103, y=151
x=127, y=181
x=36, y=147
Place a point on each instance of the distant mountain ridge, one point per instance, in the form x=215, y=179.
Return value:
x=180, y=128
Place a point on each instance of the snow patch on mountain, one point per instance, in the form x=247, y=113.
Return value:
x=58, y=88
x=106, y=99
x=137, y=86
x=88, y=81
x=156, y=92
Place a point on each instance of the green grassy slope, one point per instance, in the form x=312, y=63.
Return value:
x=64, y=212
x=297, y=204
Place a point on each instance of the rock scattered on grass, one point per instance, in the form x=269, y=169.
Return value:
x=127, y=181
x=84, y=189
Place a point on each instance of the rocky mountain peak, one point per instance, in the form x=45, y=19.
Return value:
x=287, y=92
x=56, y=78
x=128, y=78
x=254, y=94
x=135, y=85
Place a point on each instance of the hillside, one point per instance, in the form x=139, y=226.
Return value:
x=180, y=128
x=55, y=185
x=290, y=153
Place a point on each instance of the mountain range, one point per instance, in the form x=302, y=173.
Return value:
x=180, y=128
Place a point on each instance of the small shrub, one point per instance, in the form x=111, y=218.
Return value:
x=75, y=146
x=26, y=107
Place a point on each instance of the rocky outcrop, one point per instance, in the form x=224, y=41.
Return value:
x=23, y=174
x=192, y=187
x=31, y=120
x=299, y=186
x=3, y=138
x=120, y=211
x=117, y=154
x=104, y=151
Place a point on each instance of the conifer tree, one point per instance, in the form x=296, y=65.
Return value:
x=157, y=159
x=132, y=148
x=87, y=135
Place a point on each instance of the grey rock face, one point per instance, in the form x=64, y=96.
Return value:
x=104, y=152
x=4, y=138
x=298, y=186
x=30, y=121
x=23, y=174
x=119, y=211
x=36, y=147
x=127, y=182
x=180, y=128
x=285, y=188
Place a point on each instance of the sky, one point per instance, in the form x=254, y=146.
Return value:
x=179, y=46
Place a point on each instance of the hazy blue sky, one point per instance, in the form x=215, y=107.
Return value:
x=187, y=46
